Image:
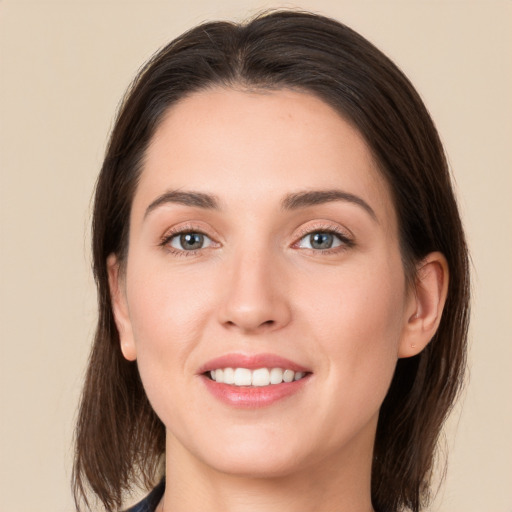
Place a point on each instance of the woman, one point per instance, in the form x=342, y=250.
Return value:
x=282, y=277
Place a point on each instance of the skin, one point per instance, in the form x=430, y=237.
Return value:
x=346, y=313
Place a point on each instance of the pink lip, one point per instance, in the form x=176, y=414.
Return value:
x=252, y=397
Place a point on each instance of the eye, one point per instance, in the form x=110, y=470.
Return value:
x=322, y=240
x=189, y=241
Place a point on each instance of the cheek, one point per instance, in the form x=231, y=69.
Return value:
x=366, y=303
x=167, y=329
x=168, y=314
x=359, y=320
x=166, y=305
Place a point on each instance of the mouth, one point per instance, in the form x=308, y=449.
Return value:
x=260, y=377
x=253, y=381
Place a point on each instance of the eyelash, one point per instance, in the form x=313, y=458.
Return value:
x=182, y=230
x=346, y=241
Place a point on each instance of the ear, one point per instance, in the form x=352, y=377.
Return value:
x=120, y=308
x=426, y=304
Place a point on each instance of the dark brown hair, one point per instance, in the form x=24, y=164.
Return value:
x=119, y=439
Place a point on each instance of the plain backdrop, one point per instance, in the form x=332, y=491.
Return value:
x=64, y=67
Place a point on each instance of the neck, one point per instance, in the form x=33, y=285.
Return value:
x=325, y=486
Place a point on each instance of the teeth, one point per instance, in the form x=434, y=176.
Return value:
x=243, y=377
x=288, y=375
x=257, y=378
x=229, y=376
x=276, y=376
x=260, y=377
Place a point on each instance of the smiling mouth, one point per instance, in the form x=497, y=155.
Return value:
x=260, y=377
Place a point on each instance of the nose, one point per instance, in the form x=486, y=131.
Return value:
x=254, y=295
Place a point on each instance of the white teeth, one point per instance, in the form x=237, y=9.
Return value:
x=257, y=378
x=229, y=376
x=243, y=377
x=288, y=375
x=276, y=376
x=261, y=377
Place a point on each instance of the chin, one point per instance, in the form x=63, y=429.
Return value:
x=251, y=455
x=260, y=467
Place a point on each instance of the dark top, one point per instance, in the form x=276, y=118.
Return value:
x=151, y=501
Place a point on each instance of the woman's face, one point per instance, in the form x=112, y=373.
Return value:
x=262, y=237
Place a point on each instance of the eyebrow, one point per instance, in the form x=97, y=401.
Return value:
x=197, y=199
x=293, y=201
x=316, y=197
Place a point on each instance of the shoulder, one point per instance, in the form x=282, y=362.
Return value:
x=150, y=502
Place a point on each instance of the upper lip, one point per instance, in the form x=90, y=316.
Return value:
x=252, y=362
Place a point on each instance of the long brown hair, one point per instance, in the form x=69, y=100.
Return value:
x=119, y=439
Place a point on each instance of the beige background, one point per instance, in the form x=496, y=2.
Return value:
x=64, y=66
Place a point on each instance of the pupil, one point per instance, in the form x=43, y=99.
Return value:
x=191, y=241
x=321, y=240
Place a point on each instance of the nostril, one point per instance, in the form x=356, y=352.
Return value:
x=266, y=323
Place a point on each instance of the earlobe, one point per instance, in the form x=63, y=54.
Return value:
x=427, y=303
x=120, y=308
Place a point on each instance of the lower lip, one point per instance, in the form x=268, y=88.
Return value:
x=253, y=397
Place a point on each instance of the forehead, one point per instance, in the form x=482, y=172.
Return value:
x=263, y=144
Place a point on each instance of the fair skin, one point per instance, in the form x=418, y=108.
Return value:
x=270, y=271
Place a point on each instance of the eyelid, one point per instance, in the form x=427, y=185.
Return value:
x=324, y=226
x=343, y=234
